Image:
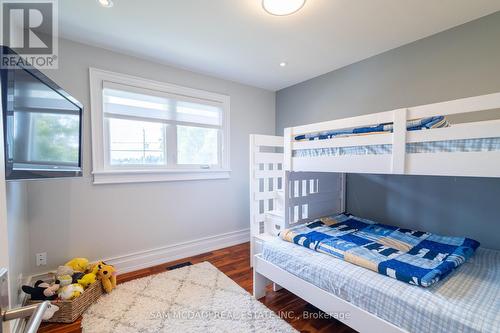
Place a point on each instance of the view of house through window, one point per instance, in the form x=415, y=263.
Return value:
x=136, y=142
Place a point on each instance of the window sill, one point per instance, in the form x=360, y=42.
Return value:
x=146, y=176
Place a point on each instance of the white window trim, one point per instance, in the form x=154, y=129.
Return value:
x=146, y=174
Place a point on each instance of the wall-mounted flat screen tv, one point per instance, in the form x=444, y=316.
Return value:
x=42, y=126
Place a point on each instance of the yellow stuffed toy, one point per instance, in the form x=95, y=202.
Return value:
x=107, y=275
x=95, y=267
x=78, y=264
x=87, y=280
x=70, y=292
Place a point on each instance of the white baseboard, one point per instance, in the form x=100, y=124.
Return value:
x=144, y=259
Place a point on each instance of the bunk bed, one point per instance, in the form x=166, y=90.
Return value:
x=463, y=149
x=300, y=177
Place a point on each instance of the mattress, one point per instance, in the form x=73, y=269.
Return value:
x=446, y=146
x=467, y=301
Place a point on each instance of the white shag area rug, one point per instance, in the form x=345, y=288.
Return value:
x=197, y=298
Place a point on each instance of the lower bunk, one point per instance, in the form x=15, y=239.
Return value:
x=466, y=301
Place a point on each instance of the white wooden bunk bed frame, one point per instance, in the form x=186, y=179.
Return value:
x=306, y=188
x=476, y=164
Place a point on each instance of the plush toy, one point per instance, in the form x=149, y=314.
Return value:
x=76, y=276
x=95, y=266
x=49, y=312
x=78, y=264
x=42, y=291
x=87, y=280
x=65, y=280
x=63, y=274
x=107, y=275
x=70, y=292
x=64, y=270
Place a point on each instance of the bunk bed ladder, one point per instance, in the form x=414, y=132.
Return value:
x=266, y=182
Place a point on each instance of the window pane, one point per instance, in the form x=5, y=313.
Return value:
x=117, y=102
x=168, y=107
x=198, y=113
x=136, y=142
x=197, y=145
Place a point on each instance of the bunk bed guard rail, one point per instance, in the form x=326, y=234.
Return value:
x=279, y=199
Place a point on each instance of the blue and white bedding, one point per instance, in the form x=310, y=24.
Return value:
x=411, y=125
x=416, y=257
x=446, y=146
x=467, y=301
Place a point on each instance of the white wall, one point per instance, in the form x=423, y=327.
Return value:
x=17, y=226
x=73, y=217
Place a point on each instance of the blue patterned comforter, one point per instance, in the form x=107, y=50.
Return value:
x=416, y=257
x=412, y=125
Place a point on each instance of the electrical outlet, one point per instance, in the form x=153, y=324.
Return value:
x=41, y=259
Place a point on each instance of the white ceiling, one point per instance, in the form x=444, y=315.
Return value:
x=237, y=40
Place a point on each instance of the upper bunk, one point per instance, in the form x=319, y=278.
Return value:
x=453, y=138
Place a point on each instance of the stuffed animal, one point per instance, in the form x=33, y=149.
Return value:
x=70, y=292
x=49, y=312
x=64, y=270
x=42, y=291
x=87, y=280
x=107, y=275
x=95, y=266
x=78, y=264
x=76, y=276
x=63, y=274
x=65, y=280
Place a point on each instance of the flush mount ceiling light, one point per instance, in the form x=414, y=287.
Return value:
x=282, y=7
x=283, y=64
x=105, y=3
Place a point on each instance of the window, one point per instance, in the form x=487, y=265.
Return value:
x=150, y=131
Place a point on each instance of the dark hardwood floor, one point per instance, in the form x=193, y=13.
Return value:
x=234, y=262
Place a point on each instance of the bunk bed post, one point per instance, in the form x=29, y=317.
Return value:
x=287, y=168
x=260, y=283
x=343, y=192
x=253, y=209
x=399, y=141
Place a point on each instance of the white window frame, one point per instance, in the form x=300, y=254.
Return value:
x=106, y=174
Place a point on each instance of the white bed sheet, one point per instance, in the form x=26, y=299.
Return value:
x=466, y=301
x=447, y=146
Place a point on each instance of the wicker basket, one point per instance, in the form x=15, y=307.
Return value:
x=69, y=311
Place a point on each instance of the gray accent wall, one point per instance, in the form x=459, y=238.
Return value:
x=460, y=62
x=73, y=217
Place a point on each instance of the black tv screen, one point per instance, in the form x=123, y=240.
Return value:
x=42, y=126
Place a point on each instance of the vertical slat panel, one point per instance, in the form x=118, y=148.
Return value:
x=399, y=142
x=275, y=179
x=287, y=149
